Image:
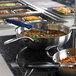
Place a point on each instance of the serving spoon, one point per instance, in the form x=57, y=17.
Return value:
x=22, y=24
x=19, y=23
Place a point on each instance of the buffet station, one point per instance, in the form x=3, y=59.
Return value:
x=42, y=45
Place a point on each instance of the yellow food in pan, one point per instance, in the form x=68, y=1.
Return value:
x=63, y=10
x=32, y=18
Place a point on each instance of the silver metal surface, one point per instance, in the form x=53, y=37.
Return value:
x=18, y=14
x=75, y=15
x=54, y=17
x=50, y=65
x=13, y=7
x=49, y=47
x=28, y=72
x=5, y=25
x=16, y=39
x=74, y=28
x=63, y=54
x=31, y=13
x=4, y=70
x=68, y=65
x=35, y=12
x=60, y=15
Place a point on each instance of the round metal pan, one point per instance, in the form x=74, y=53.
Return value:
x=44, y=41
x=48, y=41
x=62, y=55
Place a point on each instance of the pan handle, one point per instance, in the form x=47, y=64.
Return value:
x=43, y=65
x=16, y=39
x=19, y=23
x=49, y=47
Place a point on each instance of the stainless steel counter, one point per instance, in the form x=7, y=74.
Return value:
x=4, y=70
x=7, y=30
x=44, y=4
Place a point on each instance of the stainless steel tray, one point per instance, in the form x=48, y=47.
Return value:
x=21, y=17
x=43, y=17
x=19, y=4
x=19, y=14
x=25, y=8
x=12, y=1
x=33, y=12
x=59, y=14
x=38, y=14
x=12, y=8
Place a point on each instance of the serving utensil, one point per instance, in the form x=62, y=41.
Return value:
x=22, y=24
x=19, y=23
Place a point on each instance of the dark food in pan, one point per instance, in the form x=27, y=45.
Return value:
x=69, y=59
x=4, y=12
x=34, y=33
x=28, y=14
x=29, y=18
x=64, y=10
x=21, y=10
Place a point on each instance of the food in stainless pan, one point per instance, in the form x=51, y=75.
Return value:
x=30, y=18
x=8, y=4
x=21, y=10
x=28, y=14
x=4, y=12
x=69, y=59
x=33, y=33
x=17, y=19
x=64, y=10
